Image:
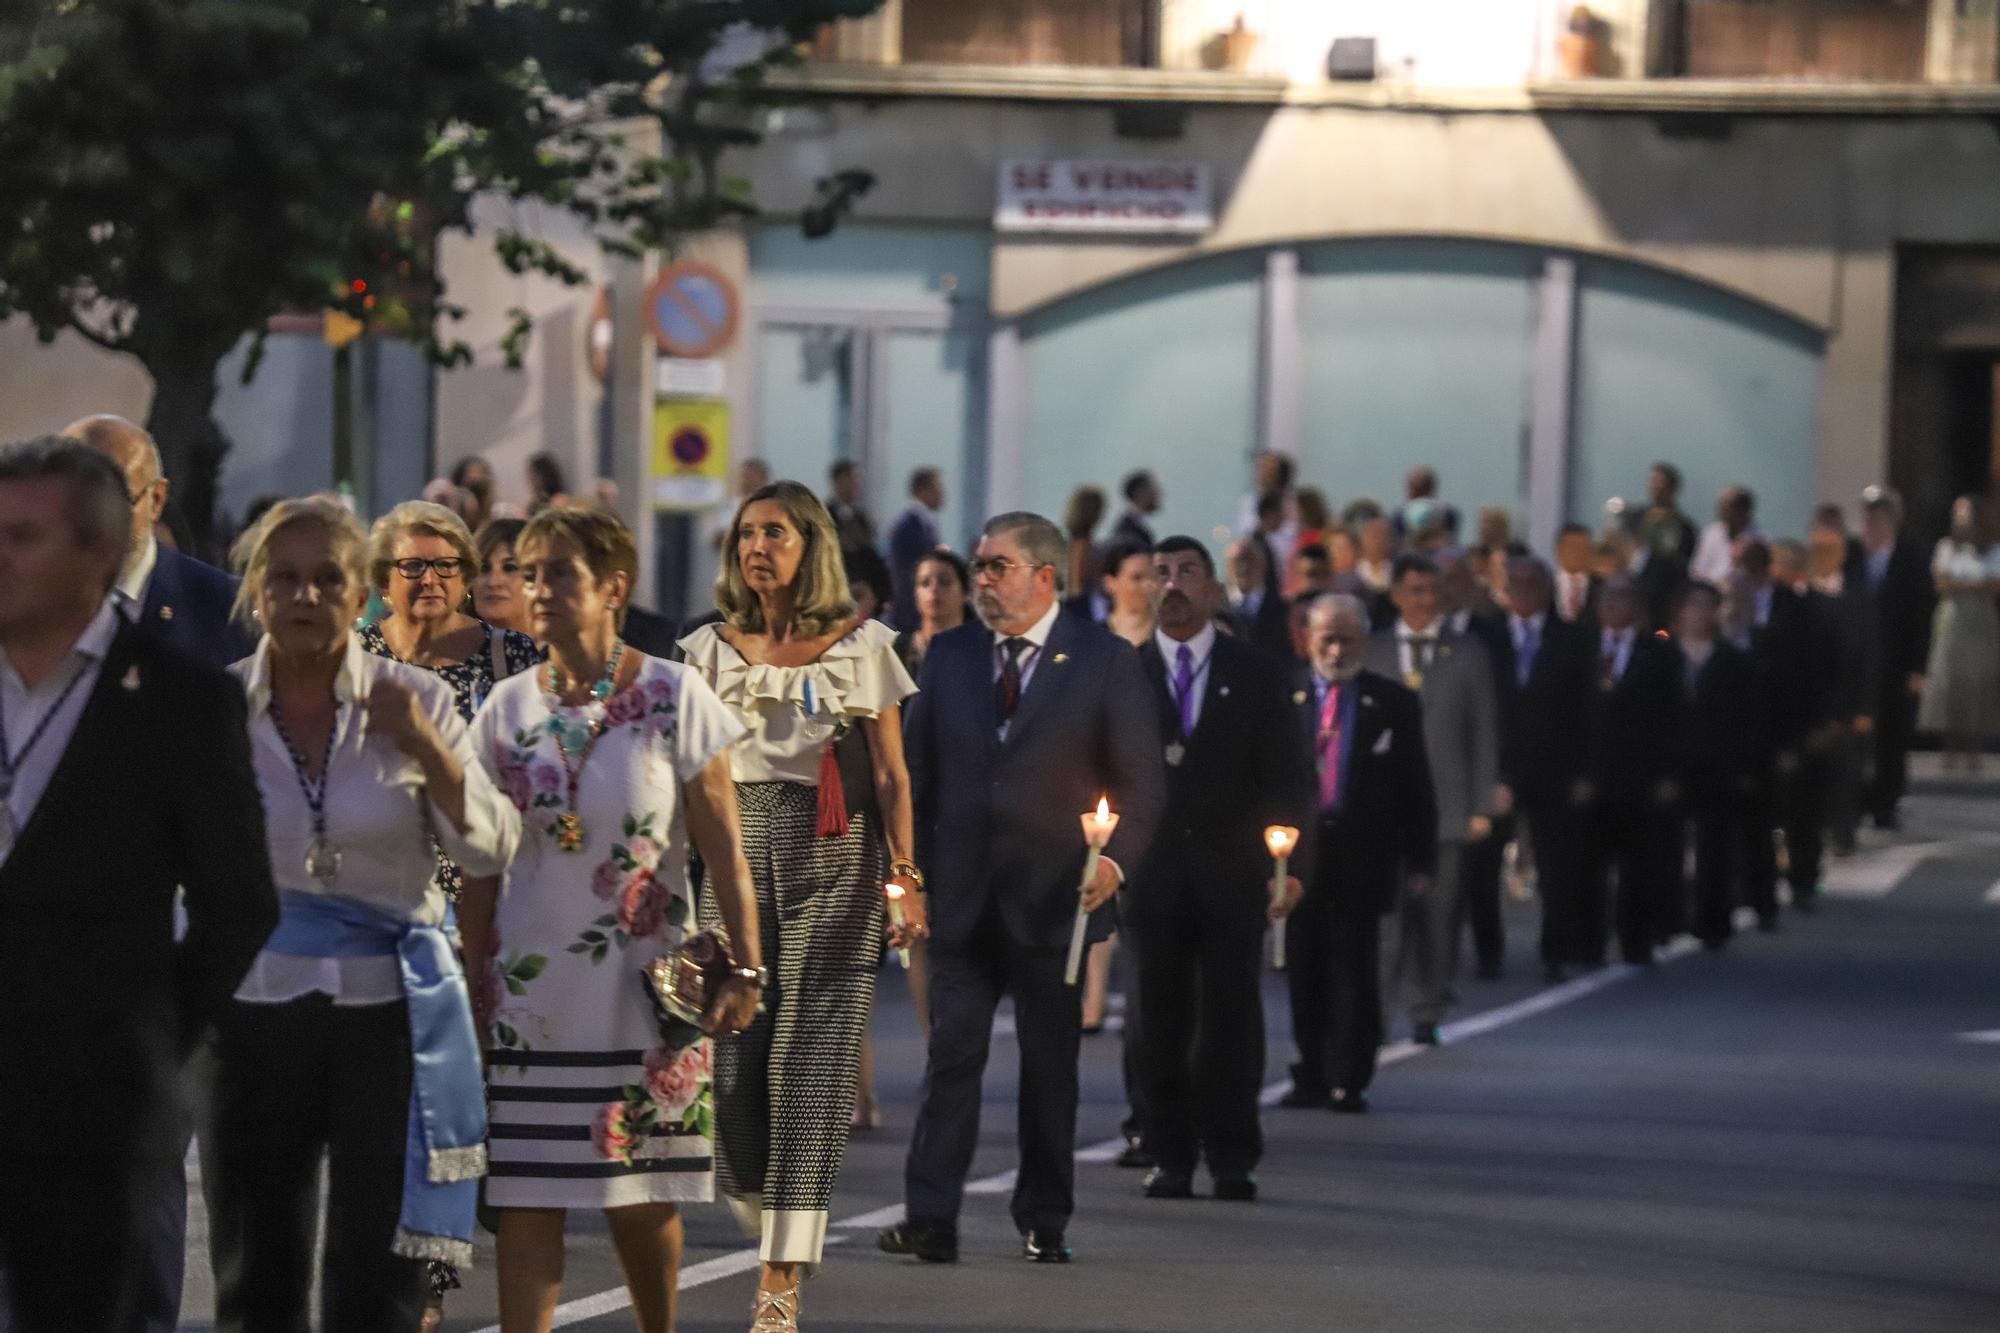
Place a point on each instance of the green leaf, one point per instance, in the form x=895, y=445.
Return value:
x=607, y=920
x=579, y=948
x=514, y=987
x=506, y=1034
x=593, y=936
x=530, y=967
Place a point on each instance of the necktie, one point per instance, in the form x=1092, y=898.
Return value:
x=1010, y=676
x=1610, y=661
x=1531, y=643
x=1329, y=749
x=1420, y=659
x=1184, y=688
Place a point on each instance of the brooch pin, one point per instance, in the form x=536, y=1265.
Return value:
x=131, y=680
x=1223, y=691
x=166, y=613
x=1175, y=753
x=1060, y=658
x=1298, y=696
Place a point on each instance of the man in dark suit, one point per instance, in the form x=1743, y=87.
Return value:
x=1840, y=591
x=1026, y=719
x=1454, y=682
x=1374, y=840
x=1545, y=669
x=93, y=844
x=1721, y=757
x=1787, y=644
x=850, y=519
x=1897, y=572
x=1576, y=577
x=1196, y=911
x=914, y=536
x=1664, y=531
x=175, y=597
x=1142, y=501
x=1259, y=613
x=1634, y=724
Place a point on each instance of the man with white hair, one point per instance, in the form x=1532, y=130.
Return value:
x=172, y=596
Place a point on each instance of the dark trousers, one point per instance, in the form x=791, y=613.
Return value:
x=1132, y=1040
x=1333, y=962
x=1201, y=1055
x=967, y=982
x=75, y=1228
x=1483, y=864
x=1718, y=821
x=1845, y=778
x=295, y=1083
x=1627, y=843
x=1760, y=810
x=1555, y=827
x=1803, y=799
x=1895, y=728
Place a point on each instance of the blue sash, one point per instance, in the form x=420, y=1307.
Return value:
x=445, y=1152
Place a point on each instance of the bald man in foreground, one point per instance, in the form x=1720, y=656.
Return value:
x=175, y=597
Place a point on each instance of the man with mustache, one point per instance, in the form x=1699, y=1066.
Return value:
x=1025, y=719
x=1197, y=909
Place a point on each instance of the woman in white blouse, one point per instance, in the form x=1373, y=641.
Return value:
x=820, y=787
x=351, y=1040
x=1962, y=684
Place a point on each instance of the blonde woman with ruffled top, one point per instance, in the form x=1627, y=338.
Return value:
x=823, y=797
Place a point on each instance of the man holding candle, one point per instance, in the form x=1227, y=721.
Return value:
x=1374, y=839
x=1197, y=908
x=1024, y=722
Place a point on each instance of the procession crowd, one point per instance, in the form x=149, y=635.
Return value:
x=421, y=855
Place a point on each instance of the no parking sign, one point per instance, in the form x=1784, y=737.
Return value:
x=690, y=453
x=692, y=309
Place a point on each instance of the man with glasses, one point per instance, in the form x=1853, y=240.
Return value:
x=172, y=596
x=1025, y=719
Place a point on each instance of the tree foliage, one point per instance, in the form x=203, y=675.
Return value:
x=174, y=173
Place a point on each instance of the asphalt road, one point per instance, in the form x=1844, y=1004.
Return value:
x=1802, y=1132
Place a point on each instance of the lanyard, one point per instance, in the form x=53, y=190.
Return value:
x=10, y=762
x=314, y=792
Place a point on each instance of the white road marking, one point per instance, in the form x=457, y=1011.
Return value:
x=1993, y=894
x=1990, y=1037
x=745, y=1261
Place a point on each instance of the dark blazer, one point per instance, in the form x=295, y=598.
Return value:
x=1635, y=722
x=1245, y=768
x=1132, y=529
x=1851, y=648
x=1542, y=737
x=154, y=790
x=1659, y=583
x=1905, y=601
x=651, y=633
x=1268, y=629
x=1586, y=615
x=911, y=538
x=1791, y=649
x=1722, y=742
x=997, y=822
x=1385, y=826
x=188, y=605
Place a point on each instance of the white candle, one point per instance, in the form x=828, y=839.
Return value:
x=1098, y=826
x=1280, y=840
x=894, y=893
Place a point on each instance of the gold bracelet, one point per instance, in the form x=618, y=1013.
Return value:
x=908, y=869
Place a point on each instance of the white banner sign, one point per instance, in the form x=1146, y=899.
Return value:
x=1105, y=197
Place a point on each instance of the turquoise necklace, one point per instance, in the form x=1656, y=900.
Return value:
x=579, y=735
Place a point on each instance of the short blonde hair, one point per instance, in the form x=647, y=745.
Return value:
x=251, y=555
x=605, y=543
x=424, y=519
x=821, y=602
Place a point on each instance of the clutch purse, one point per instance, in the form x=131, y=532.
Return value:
x=682, y=984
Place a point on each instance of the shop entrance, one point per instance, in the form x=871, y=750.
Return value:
x=1945, y=414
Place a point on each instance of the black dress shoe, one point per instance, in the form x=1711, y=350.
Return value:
x=1044, y=1247
x=1425, y=1034
x=1166, y=1183
x=1306, y=1097
x=1236, y=1189
x=932, y=1242
x=1134, y=1157
x=1349, y=1103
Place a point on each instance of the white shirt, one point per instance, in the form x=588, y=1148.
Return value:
x=1763, y=604
x=1615, y=644
x=25, y=709
x=1458, y=621
x=1200, y=648
x=132, y=583
x=1407, y=640
x=1031, y=657
x=1572, y=591
x=1715, y=553
x=378, y=814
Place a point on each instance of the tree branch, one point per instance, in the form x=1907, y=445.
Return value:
x=120, y=343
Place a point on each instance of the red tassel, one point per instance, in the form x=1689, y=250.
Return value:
x=832, y=796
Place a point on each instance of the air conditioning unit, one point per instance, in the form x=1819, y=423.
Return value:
x=1352, y=58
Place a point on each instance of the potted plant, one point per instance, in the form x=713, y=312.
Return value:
x=1230, y=49
x=1581, y=48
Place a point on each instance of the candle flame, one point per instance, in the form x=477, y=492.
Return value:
x=1103, y=810
x=895, y=891
x=1280, y=838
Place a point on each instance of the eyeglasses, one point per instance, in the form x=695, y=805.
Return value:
x=999, y=569
x=446, y=567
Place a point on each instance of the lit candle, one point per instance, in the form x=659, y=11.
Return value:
x=894, y=893
x=1098, y=826
x=1280, y=840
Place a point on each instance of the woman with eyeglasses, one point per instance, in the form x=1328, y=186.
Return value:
x=422, y=561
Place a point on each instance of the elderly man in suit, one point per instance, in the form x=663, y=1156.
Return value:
x=1197, y=908
x=174, y=596
x=1026, y=719
x=92, y=847
x=1722, y=753
x=1897, y=572
x=1454, y=682
x=1373, y=841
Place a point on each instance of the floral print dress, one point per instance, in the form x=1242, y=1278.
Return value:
x=588, y=1108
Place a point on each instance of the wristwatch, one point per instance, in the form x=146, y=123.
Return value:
x=760, y=977
x=908, y=869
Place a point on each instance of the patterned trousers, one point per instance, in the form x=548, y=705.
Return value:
x=784, y=1089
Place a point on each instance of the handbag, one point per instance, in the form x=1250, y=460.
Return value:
x=683, y=982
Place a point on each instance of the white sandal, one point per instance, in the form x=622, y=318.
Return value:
x=775, y=1312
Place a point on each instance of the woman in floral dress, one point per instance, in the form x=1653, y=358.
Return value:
x=617, y=762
